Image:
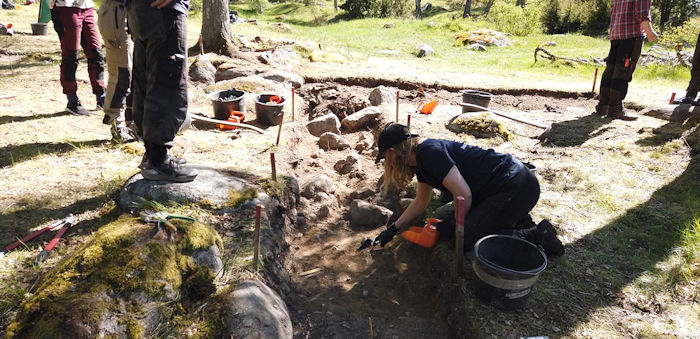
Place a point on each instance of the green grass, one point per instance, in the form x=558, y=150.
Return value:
x=360, y=39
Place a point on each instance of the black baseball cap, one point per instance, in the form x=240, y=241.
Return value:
x=391, y=136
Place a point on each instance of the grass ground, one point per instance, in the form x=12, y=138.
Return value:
x=625, y=196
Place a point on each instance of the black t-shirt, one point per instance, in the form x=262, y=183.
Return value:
x=485, y=171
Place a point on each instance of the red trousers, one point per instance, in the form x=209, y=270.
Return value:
x=76, y=28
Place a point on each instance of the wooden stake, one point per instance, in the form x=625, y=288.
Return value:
x=256, y=237
x=459, y=234
x=673, y=97
x=292, y=103
x=408, y=122
x=279, y=131
x=272, y=163
x=595, y=79
x=397, y=107
x=371, y=332
x=201, y=47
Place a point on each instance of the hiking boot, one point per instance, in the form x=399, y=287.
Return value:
x=169, y=170
x=76, y=108
x=546, y=236
x=689, y=101
x=602, y=111
x=146, y=164
x=623, y=115
x=121, y=134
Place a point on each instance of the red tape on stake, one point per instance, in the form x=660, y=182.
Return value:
x=408, y=122
x=673, y=97
x=397, y=107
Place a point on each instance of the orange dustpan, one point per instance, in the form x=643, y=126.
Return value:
x=427, y=108
x=425, y=236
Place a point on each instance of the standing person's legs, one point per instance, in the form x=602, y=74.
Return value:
x=119, y=47
x=628, y=54
x=160, y=102
x=694, y=85
x=92, y=47
x=71, y=22
x=606, y=79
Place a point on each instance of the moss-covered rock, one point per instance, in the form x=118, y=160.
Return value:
x=479, y=125
x=120, y=272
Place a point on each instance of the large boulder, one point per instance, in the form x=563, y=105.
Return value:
x=283, y=58
x=367, y=117
x=367, y=215
x=211, y=188
x=256, y=311
x=331, y=141
x=323, y=124
x=115, y=285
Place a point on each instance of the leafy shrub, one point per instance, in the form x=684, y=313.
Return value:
x=516, y=20
x=599, y=20
x=196, y=6
x=550, y=18
x=356, y=9
x=686, y=35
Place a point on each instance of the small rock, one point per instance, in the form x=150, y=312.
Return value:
x=317, y=183
x=368, y=215
x=323, y=124
x=366, y=117
x=382, y=95
x=332, y=141
x=424, y=50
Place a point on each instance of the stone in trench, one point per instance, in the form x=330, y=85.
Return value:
x=282, y=76
x=382, y=96
x=368, y=215
x=349, y=164
x=202, y=70
x=364, y=118
x=315, y=184
x=256, y=311
x=331, y=141
x=424, y=50
x=323, y=124
x=364, y=143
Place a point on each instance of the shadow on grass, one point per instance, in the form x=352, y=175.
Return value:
x=13, y=154
x=7, y=119
x=576, y=132
x=682, y=119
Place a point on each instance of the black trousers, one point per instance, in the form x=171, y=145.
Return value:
x=159, y=80
x=694, y=85
x=501, y=211
x=619, y=66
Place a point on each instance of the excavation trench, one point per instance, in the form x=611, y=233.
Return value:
x=401, y=290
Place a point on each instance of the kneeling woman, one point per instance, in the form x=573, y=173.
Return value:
x=499, y=191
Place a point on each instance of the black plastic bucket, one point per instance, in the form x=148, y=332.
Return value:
x=474, y=97
x=507, y=267
x=267, y=112
x=227, y=101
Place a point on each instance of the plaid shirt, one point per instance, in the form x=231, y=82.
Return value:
x=626, y=17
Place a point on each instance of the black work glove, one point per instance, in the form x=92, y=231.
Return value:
x=386, y=235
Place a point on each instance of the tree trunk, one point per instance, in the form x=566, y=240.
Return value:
x=467, y=9
x=419, y=13
x=488, y=7
x=665, y=12
x=335, y=5
x=520, y=3
x=216, y=29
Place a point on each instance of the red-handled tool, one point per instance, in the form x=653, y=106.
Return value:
x=61, y=224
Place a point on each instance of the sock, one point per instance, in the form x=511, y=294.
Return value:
x=72, y=97
x=157, y=154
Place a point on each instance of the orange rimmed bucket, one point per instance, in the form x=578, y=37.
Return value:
x=236, y=117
